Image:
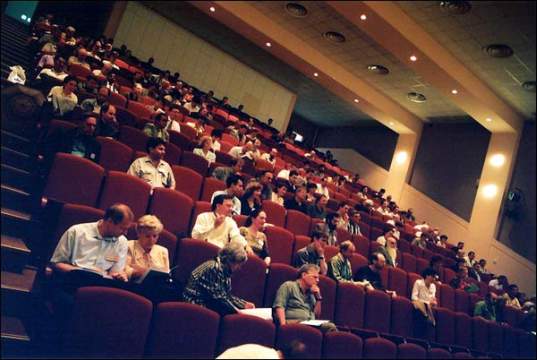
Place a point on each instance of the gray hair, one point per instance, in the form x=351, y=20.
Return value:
x=307, y=268
x=233, y=253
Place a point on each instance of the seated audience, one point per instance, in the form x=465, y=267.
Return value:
x=499, y=283
x=470, y=259
x=205, y=149
x=57, y=72
x=510, y=296
x=343, y=211
x=99, y=246
x=487, y=307
x=301, y=299
x=252, y=231
x=318, y=209
x=223, y=172
x=251, y=199
x=369, y=275
x=313, y=253
x=339, y=266
x=265, y=179
x=330, y=228
x=270, y=157
x=390, y=251
x=279, y=196
x=382, y=239
x=420, y=241
x=235, y=189
x=63, y=98
x=144, y=253
x=322, y=187
x=311, y=194
x=80, y=59
x=460, y=281
x=108, y=126
x=424, y=295
x=297, y=202
x=354, y=223
x=152, y=168
x=94, y=104
x=216, y=135
x=209, y=284
x=217, y=226
x=157, y=129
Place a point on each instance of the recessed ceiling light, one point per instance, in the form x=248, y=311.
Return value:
x=315, y=74
x=391, y=123
x=356, y=101
x=212, y=9
x=454, y=91
x=296, y=9
x=378, y=69
x=416, y=97
x=488, y=119
x=413, y=58
x=363, y=17
x=268, y=44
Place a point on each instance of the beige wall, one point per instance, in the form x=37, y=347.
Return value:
x=501, y=259
x=149, y=34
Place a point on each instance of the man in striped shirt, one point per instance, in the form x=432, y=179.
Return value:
x=210, y=283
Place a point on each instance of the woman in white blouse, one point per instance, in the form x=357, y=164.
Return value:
x=205, y=149
x=424, y=294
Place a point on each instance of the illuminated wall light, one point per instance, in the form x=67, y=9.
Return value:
x=391, y=123
x=488, y=120
x=29, y=19
x=401, y=157
x=454, y=92
x=356, y=101
x=363, y=17
x=212, y=9
x=315, y=74
x=23, y=17
x=268, y=44
x=413, y=58
x=497, y=160
x=490, y=191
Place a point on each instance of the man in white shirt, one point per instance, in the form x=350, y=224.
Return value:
x=217, y=226
x=270, y=157
x=322, y=188
x=234, y=189
x=151, y=168
x=382, y=239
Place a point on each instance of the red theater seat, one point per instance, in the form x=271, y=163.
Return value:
x=463, y=330
x=183, y=330
x=126, y=316
x=438, y=353
x=408, y=262
x=480, y=334
x=199, y=208
x=127, y=189
x=195, y=162
x=249, y=282
x=278, y=274
x=181, y=141
x=342, y=345
x=377, y=311
x=362, y=245
x=301, y=241
x=238, y=329
x=173, y=154
x=397, y=281
x=445, y=325
x=280, y=244
x=73, y=179
x=310, y=336
x=402, y=316
x=135, y=138
x=173, y=208
x=275, y=213
x=140, y=109
x=328, y=291
x=462, y=302
x=495, y=332
x=190, y=254
x=357, y=261
x=169, y=241
x=297, y=222
x=210, y=185
x=379, y=348
x=421, y=264
x=447, y=296
x=114, y=155
x=187, y=181
x=411, y=351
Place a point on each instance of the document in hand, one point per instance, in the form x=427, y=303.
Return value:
x=314, y=322
x=263, y=313
x=153, y=275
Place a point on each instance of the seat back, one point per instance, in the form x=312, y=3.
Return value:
x=238, y=329
x=127, y=189
x=173, y=154
x=349, y=308
x=447, y=297
x=114, y=154
x=199, y=208
x=377, y=311
x=190, y=254
x=275, y=213
x=181, y=140
x=182, y=330
x=280, y=244
x=402, y=317
x=463, y=330
x=308, y=335
x=328, y=290
x=342, y=345
x=210, y=185
x=445, y=325
x=126, y=316
x=73, y=179
x=277, y=275
x=411, y=351
x=169, y=241
x=173, y=208
x=379, y=348
x=480, y=338
x=397, y=281
x=298, y=223
x=195, y=162
x=249, y=281
x=140, y=109
x=362, y=245
x=133, y=137
x=187, y=181
x=408, y=262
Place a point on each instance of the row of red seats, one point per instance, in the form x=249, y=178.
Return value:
x=343, y=302
x=182, y=330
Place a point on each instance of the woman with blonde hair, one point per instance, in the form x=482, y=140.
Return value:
x=144, y=253
x=205, y=149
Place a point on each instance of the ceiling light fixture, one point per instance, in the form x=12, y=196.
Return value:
x=212, y=9
x=490, y=190
x=378, y=69
x=268, y=44
x=488, y=119
x=413, y=58
x=391, y=123
x=401, y=157
x=315, y=74
x=356, y=101
x=497, y=160
x=416, y=97
x=363, y=17
x=454, y=91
